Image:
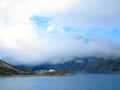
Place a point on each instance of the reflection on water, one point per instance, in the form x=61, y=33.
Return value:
x=77, y=82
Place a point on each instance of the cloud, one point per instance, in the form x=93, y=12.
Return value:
x=38, y=31
x=87, y=13
x=22, y=10
x=21, y=43
x=80, y=13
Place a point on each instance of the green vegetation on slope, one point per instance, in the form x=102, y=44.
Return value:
x=8, y=70
x=56, y=73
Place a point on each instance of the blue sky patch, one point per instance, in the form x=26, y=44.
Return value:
x=40, y=21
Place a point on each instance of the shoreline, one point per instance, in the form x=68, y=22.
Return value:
x=54, y=75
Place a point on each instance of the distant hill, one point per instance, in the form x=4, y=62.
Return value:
x=104, y=66
x=7, y=70
x=84, y=65
x=67, y=66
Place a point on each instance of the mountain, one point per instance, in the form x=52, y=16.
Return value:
x=85, y=65
x=7, y=70
x=104, y=66
x=75, y=65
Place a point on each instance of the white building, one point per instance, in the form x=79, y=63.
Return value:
x=51, y=70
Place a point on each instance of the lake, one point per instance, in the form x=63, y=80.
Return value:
x=76, y=82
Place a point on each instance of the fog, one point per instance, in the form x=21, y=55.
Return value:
x=25, y=46
x=23, y=41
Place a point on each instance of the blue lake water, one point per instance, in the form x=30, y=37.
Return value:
x=76, y=82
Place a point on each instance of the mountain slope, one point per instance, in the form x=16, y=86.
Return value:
x=7, y=69
x=105, y=66
x=67, y=66
x=86, y=65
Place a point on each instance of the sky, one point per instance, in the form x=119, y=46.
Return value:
x=40, y=31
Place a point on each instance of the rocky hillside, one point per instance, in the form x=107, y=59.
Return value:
x=7, y=70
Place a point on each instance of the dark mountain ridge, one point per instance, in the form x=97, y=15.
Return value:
x=86, y=65
x=83, y=65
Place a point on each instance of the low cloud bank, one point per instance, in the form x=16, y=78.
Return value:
x=22, y=44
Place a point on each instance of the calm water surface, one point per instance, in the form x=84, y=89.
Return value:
x=76, y=82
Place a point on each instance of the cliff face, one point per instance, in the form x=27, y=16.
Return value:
x=7, y=70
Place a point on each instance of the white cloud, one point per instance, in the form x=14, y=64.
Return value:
x=50, y=29
x=87, y=13
x=20, y=41
x=14, y=33
x=22, y=10
x=81, y=13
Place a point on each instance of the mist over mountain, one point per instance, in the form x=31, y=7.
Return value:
x=83, y=65
x=34, y=32
x=57, y=51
